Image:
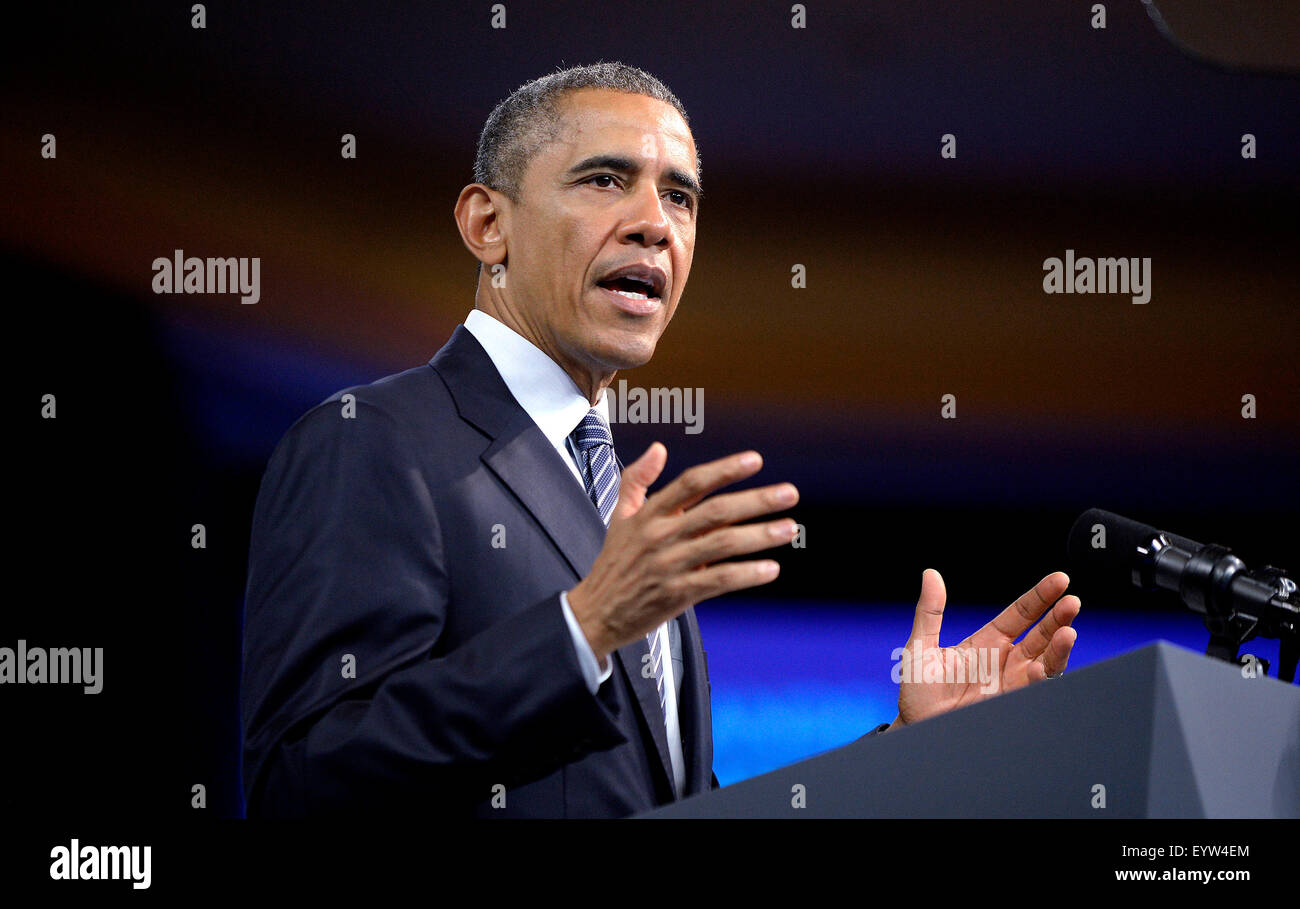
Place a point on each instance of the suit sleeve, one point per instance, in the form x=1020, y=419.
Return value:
x=348, y=702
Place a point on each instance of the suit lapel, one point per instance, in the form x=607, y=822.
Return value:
x=519, y=454
x=524, y=460
x=693, y=708
x=631, y=659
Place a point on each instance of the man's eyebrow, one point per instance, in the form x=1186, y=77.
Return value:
x=619, y=164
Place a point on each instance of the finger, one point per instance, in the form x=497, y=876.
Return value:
x=1059, y=616
x=929, y=609
x=1057, y=656
x=697, y=482
x=1012, y=621
x=637, y=478
x=732, y=507
x=731, y=541
x=715, y=580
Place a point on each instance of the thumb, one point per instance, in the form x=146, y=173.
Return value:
x=637, y=478
x=929, y=609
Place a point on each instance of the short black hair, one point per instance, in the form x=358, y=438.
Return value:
x=528, y=119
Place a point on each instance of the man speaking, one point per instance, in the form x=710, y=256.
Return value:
x=459, y=603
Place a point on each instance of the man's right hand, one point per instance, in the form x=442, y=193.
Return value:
x=659, y=551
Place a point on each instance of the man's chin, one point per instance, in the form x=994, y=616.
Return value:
x=621, y=353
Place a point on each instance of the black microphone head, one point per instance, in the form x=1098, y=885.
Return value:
x=1105, y=544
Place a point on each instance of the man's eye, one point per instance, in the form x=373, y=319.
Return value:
x=601, y=177
x=680, y=198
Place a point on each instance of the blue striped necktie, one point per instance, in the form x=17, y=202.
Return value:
x=600, y=470
x=600, y=474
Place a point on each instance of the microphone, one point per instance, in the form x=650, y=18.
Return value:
x=1236, y=603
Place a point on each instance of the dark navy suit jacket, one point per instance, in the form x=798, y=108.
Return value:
x=399, y=658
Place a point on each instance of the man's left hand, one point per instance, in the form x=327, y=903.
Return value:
x=989, y=661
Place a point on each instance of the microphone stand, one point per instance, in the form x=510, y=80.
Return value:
x=1236, y=604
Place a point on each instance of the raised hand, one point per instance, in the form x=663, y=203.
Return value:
x=659, y=552
x=935, y=679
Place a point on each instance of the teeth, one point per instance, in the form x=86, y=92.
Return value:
x=630, y=295
x=648, y=285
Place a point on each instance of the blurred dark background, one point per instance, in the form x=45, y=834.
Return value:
x=820, y=147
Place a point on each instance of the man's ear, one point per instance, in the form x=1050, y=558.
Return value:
x=481, y=217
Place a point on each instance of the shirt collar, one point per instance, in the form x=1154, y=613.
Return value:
x=542, y=388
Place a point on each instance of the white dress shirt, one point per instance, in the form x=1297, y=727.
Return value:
x=548, y=395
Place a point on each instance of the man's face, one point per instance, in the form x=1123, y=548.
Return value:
x=616, y=190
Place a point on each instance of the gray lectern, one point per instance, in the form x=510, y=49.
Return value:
x=1157, y=732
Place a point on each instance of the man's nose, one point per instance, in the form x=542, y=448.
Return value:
x=647, y=223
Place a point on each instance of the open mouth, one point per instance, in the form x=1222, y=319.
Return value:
x=632, y=288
